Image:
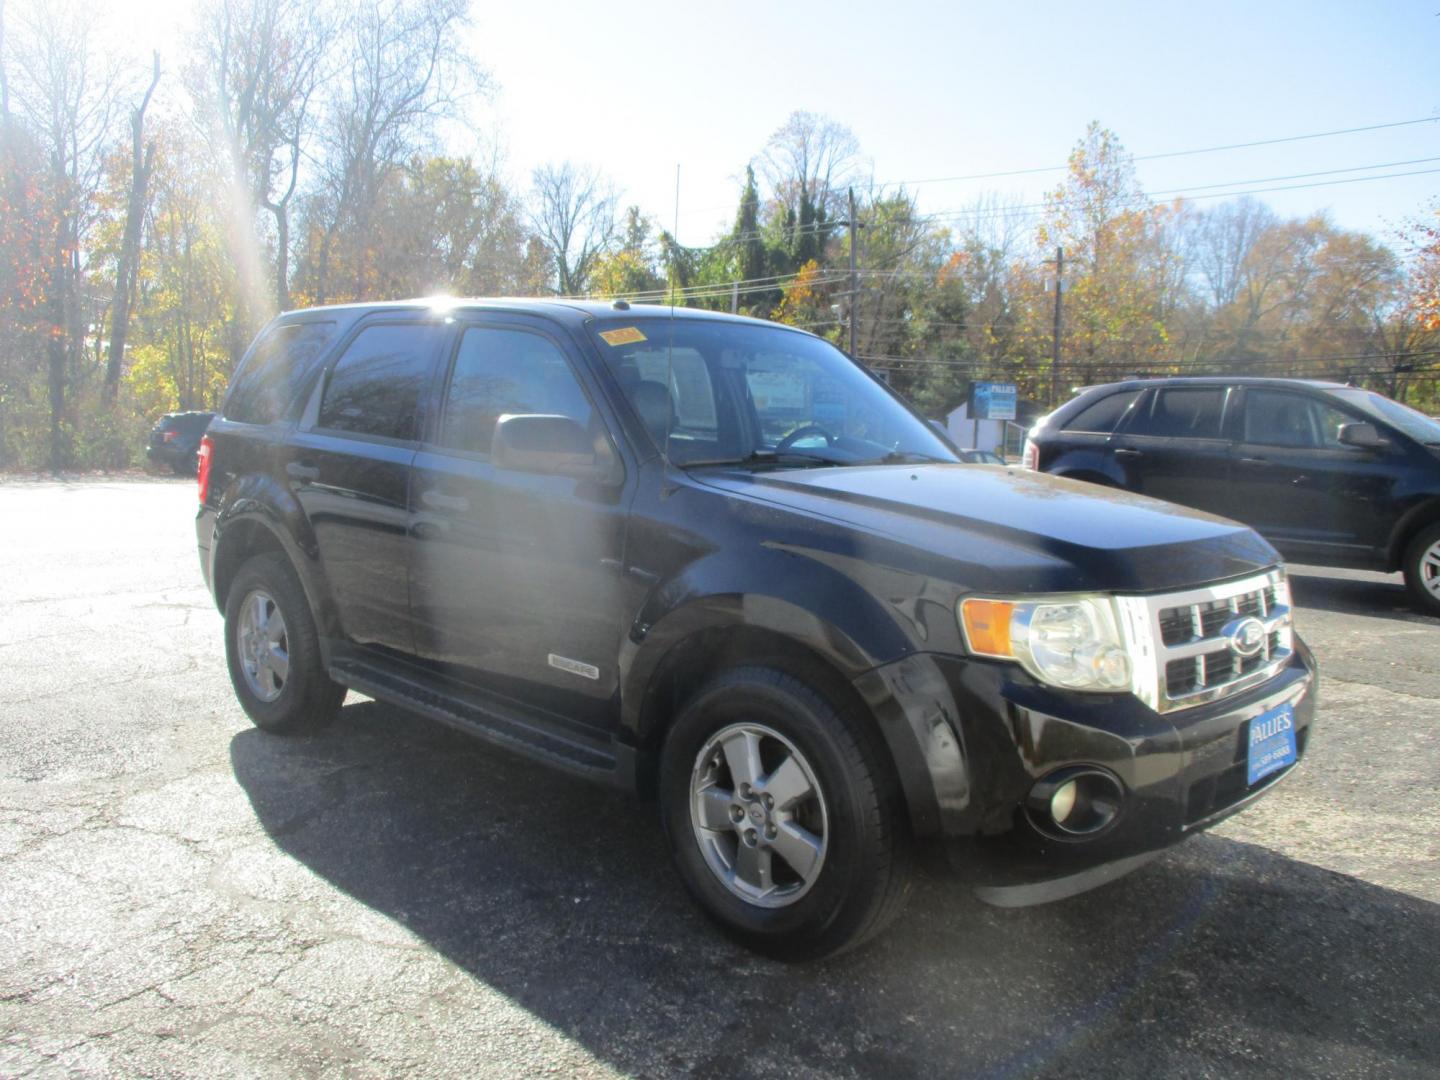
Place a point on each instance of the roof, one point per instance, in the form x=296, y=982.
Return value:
x=578, y=310
x=1206, y=380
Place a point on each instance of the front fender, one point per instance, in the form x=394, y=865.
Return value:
x=767, y=588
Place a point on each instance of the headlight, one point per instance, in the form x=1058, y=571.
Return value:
x=1068, y=641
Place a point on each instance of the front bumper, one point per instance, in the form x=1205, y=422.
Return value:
x=971, y=737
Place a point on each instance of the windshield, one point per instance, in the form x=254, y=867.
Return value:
x=1413, y=423
x=722, y=392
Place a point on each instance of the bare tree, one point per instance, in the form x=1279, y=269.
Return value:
x=811, y=156
x=407, y=68
x=142, y=164
x=259, y=65
x=1222, y=239
x=574, y=215
x=63, y=96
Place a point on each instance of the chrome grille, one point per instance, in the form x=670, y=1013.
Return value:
x=1182, y=652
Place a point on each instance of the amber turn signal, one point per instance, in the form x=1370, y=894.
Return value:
x=987, y=626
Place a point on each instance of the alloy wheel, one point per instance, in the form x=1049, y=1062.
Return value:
x=759, y=815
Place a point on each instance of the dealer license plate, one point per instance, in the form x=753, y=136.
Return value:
x=1272, y=742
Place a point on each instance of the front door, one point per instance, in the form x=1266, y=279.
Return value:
x=1303, y=489
x=515, y=576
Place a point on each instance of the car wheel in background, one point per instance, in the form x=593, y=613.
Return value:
x=1422, y=570
x=273, y=650
x=782, y=821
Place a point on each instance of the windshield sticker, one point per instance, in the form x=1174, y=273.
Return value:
x=626, y=336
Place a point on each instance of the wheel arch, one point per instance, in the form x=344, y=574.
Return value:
x=254, y=520
x=1411, y=523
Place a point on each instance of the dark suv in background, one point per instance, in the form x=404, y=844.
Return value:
x=711, y=561
x=175, y=440
x=1329, y=474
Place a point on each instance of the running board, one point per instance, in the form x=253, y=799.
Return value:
x=503, y=726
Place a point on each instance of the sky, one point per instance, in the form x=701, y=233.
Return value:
x=936, y=90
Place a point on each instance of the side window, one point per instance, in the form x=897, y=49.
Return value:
x=1102, y=416
x=1277, y=418
x=1183, y=413
x=281, y=361
x=376, y=386
x=506, y=371
x=1328, y=422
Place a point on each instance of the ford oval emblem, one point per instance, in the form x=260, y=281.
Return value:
x=1246, y=637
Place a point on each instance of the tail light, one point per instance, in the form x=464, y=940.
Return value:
x=1031, y=458
x=203, y=458
x=166, y=436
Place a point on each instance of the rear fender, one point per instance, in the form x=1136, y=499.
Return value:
x=257, y=501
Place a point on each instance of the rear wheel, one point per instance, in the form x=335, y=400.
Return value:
x=273, y=650
x=782, y=818
x=1422, y=570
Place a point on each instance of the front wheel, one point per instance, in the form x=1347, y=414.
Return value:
x=1422, y=570
x=784, y=820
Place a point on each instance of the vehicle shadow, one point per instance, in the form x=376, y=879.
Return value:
x=1221, y=958
x=1371, y=594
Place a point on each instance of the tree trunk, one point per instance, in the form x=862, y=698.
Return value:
x=128, y=265
x=55, y=353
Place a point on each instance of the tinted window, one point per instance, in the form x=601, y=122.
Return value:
x=281, y=361
x=1183, y=413
x=376, y=385
x=1104, y=414
x=506, y=371
x=1277, y=418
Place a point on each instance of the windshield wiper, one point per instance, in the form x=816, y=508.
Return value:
x=768, y=457
x=906, y=457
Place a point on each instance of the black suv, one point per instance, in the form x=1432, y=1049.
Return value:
x=1329, y=474
x=712, y=561
x=175, y=441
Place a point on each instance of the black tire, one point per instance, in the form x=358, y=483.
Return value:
x=862, y=880
x=184, y=468
x=1422, y=571
x=307, y=698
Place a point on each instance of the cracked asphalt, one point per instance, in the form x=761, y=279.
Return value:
x=181, y=895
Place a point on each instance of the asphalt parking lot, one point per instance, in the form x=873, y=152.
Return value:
x=183, y=895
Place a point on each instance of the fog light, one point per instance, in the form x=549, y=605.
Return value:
x=1063, y=801
x=1075, y=803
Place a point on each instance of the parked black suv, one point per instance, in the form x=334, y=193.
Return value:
x=711, y=561
x=1329, y=474
x=175, y=440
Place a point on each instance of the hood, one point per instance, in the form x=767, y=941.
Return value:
x=1002, y=529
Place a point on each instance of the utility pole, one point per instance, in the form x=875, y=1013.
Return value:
x=1055, y=349
x=854, y=276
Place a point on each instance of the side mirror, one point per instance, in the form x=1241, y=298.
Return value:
x=1362, y=436
x=540, y=443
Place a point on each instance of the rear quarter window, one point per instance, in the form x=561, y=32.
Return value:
x=1101, y=417
x=281, y=361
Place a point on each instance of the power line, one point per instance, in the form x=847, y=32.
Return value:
x=1167, y=154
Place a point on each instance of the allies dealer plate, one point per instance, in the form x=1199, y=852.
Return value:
x=1272, y=742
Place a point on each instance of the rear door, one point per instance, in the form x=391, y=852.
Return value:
x=515, y=576
x=1173, y=447
x=349, y=465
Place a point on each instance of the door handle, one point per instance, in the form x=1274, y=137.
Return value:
x=1125, y=452
x=302, y=471
x=438, y=500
